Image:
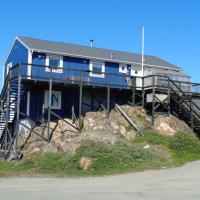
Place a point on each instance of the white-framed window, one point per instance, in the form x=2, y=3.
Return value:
x=97, y=69
x=123, y=68
x=56, y=62
x=55, y=99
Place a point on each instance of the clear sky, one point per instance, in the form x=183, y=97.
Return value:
x=172, y=27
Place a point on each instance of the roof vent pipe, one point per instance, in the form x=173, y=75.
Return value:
x=91, y=43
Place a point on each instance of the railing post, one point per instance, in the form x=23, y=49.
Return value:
x=168, y=96
x=18, y=111
x=49, y=108
x=153, y=100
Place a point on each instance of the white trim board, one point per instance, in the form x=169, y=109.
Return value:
x=30, y=53
x=28, y=103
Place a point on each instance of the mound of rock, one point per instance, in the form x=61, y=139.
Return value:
x=97, y=127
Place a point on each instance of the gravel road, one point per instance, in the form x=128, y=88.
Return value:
x=168, y=184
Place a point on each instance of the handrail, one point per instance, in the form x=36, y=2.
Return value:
x=185, y=94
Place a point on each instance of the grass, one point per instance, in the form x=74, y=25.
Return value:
x=184, y=147
x=122, y=157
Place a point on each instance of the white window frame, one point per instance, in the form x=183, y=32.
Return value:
x=102, y=75
x=46, y=99
x=60, y=67
x=121, y=70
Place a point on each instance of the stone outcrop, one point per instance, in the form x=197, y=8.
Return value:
x=170, y=125
x=97, y=127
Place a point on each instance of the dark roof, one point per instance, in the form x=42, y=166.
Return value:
x=92, y=52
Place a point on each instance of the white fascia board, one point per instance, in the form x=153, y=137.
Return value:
x=107, y=59
x=22, y=43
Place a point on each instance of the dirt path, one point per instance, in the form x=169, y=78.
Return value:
x=170, y=184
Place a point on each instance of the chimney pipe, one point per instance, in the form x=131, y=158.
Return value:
x=91, y=43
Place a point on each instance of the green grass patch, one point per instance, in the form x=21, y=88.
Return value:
x=121, y=157
x=184, y=147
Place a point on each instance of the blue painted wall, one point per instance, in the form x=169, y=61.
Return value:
x=73, y=67
x=69, y=97
x=18, y=53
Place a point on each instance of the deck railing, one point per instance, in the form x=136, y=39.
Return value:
x=72, y=75
x=163, y=81
x=78, y=74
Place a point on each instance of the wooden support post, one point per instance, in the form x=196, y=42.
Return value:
x=153, y=99
x=191, y=114
x=49, y=108
x=80, y=105
x=168, y=96
x=133, y=90
x=108, y=99
x=143, y=92
x=92, y=101
x=18, y=112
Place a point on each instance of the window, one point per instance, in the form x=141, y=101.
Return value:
x=55, y=62
x=97, y=69
x=123, y=68
x=55, y=99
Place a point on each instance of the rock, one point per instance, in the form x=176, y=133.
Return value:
x=100, y=136
x=85, y=163
x=70, y=148
x=65, y=127
x=114, y=125
x=147, y=146
x=35, y=150
x=50, y=148
x=130, y=135
x=122, y=130
x=170, y=125
x=165, y=129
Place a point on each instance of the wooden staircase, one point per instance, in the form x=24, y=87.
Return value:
x=9, y=98
x=183, y=106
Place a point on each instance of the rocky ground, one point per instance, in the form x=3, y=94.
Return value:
x=97, y=126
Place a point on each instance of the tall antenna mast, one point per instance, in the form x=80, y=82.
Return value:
x=142, y=50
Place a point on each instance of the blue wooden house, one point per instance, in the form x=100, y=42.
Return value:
x=46, y=80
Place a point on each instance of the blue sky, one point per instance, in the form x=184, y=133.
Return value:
x=172, y=27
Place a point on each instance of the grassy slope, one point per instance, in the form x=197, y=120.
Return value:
x=122, y=157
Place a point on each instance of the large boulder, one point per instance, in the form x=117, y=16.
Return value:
x=170, y=125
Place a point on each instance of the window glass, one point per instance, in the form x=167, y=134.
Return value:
x=55, y=99
x=97, y=67
x=54, y=62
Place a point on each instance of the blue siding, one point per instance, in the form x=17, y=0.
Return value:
x=19, y=53
x=69, y=97
x=74, y=67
